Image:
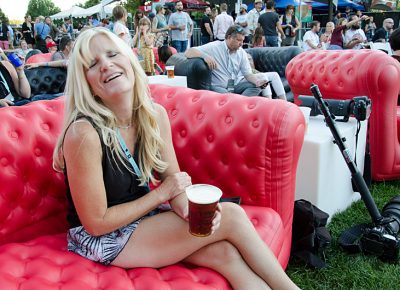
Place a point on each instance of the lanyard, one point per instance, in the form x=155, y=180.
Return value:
x=130, y=157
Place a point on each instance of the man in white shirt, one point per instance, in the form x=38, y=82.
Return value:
x=311, y=38
x=354, y=36
x=181, y=28
x=229, y=65
x=241, y=19
x=252, y=17
x=222, y=22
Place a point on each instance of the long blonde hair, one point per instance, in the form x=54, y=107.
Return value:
x=81, y=102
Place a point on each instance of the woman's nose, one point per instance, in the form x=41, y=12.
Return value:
x=105, y=64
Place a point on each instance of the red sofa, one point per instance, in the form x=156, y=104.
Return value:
x=349, y=73
x=248, y=147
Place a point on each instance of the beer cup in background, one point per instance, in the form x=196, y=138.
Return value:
x=203, y=200
x=170, y=71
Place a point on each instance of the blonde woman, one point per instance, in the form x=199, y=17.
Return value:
x=144, y=41
x=326, y=36
x=108, y=108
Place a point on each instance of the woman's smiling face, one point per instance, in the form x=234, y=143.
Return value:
x=110, y=73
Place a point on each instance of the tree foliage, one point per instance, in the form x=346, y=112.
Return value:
x=131, y=5
x=90, y=3
x=42, y=7
x=3, y=17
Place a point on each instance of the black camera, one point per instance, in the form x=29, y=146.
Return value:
x=359, y=107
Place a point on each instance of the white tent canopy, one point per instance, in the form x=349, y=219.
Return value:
x=97, y=9
x=71, y=12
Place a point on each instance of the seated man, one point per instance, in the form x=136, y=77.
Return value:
x=13, y=83
x=230, y=68
x=382, y=34
x=311, y=38
x=355, y=36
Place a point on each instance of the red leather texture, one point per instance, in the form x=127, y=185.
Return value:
x=249, y=147
x=41, y=57
x=350, y=73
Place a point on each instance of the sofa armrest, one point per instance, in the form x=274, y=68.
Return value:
x=195, y=69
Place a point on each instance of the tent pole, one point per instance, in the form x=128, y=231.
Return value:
x=330, y=10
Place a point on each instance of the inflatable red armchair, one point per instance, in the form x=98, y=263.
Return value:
x=350, y=73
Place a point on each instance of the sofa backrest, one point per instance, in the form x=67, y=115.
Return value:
x=46, y=80
x=350, y=73
x=273, y=58
x=32, y=194
x=39, y=57
x=248, y=147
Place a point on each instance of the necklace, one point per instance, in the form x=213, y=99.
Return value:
x=124, y=127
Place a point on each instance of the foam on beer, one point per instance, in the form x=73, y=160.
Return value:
x=203, y=193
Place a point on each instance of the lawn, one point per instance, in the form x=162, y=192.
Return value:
x=351, y=271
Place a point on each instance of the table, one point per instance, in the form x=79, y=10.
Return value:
x=177, y=81
x=323, y=177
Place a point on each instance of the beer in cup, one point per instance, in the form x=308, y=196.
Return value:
x=170, y=71
x=203, y=201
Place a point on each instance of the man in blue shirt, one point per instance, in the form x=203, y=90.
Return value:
x=41, y=31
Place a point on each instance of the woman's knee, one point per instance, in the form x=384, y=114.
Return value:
x=222, y=253
x=233, y=214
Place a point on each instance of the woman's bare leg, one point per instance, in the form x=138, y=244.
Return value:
x=224, y=258
x=164, y=239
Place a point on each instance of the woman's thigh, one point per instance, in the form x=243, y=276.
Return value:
x=164, y=239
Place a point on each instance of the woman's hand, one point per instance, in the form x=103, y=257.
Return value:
x=217, y=219
x=5, y=103
x=175, y=184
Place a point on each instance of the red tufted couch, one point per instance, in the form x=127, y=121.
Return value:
x=249, y=147
x=349, y=73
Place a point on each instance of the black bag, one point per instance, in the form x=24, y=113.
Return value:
x=310, y=237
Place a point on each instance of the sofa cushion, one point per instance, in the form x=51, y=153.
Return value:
x=46, y=261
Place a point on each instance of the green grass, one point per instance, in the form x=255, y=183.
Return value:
x=351, y=271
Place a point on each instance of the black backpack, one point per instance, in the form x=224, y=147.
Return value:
x=310, y=237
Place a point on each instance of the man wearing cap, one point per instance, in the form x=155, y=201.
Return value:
x=206, y=27
x=252, y=17
x=51, y=46
x=159, y=26
x=241, y=20
x=181, y=28
x=229, y=65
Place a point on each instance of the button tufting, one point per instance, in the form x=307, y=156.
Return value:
x=240, y=143
x=4, y=161
x=45, y=126
x=251, y=106
x=222, y=102
x=255, y=123
x=183, y=133
x=228, y=120
x=14, y=134
x=195, y=99
x=174, y=112
x=200, y=116
x=38, y=152
x=210, y=138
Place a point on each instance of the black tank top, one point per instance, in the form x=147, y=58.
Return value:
x=3, y=88
x=121, y=185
